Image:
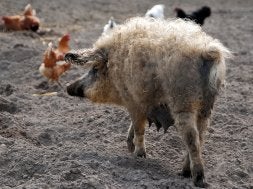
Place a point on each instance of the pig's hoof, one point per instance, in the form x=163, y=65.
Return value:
x=200, y=182
x=141, y=152
x=185, y=173
x=198, y=176
x=130, y=145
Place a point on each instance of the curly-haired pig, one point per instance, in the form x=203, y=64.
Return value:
x=145, y=63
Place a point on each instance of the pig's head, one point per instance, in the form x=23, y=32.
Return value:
x=97, y=84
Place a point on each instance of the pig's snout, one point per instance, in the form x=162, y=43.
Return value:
x=75, y=89
x=80, y=86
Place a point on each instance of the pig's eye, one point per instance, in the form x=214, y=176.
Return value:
x=94, y=71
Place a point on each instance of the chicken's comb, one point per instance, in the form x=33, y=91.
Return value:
x=67, y=36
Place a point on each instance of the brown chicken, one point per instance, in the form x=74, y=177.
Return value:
x=26, y=21
x=53, y=65
x=63, y=47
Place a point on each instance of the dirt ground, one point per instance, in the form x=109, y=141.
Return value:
x=68, y=143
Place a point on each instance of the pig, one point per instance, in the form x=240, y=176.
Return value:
x=145, y=65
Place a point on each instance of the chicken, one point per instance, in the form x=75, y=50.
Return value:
x=109, y=26
x=63, y=47
x=197, y=16
x=26, y=21
x=53, y=66
x=156, y=11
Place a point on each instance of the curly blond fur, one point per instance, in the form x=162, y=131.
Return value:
x=146, y=62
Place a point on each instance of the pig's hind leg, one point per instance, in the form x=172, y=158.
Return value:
x=186, y=123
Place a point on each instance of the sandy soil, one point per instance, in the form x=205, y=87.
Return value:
x=65, y=142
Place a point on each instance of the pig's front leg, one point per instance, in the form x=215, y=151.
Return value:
x=130, y=138
x=135, y=139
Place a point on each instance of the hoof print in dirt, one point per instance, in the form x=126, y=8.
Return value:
x=6, y=89
x=7, y=106
x=5, y=121
x=45, y=139
x=72, y=175
x=44, y=85
x=18, y=45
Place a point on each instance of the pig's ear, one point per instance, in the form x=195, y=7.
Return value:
x=98, y=57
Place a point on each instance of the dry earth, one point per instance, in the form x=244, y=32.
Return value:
x=65, y=142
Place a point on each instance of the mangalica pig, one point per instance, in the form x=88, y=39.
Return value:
x=165, y=71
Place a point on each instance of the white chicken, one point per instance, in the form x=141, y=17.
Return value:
x=156, y=11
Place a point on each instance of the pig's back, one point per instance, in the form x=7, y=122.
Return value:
x=148, y=57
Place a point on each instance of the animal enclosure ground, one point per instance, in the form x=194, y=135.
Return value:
x=63, y=142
